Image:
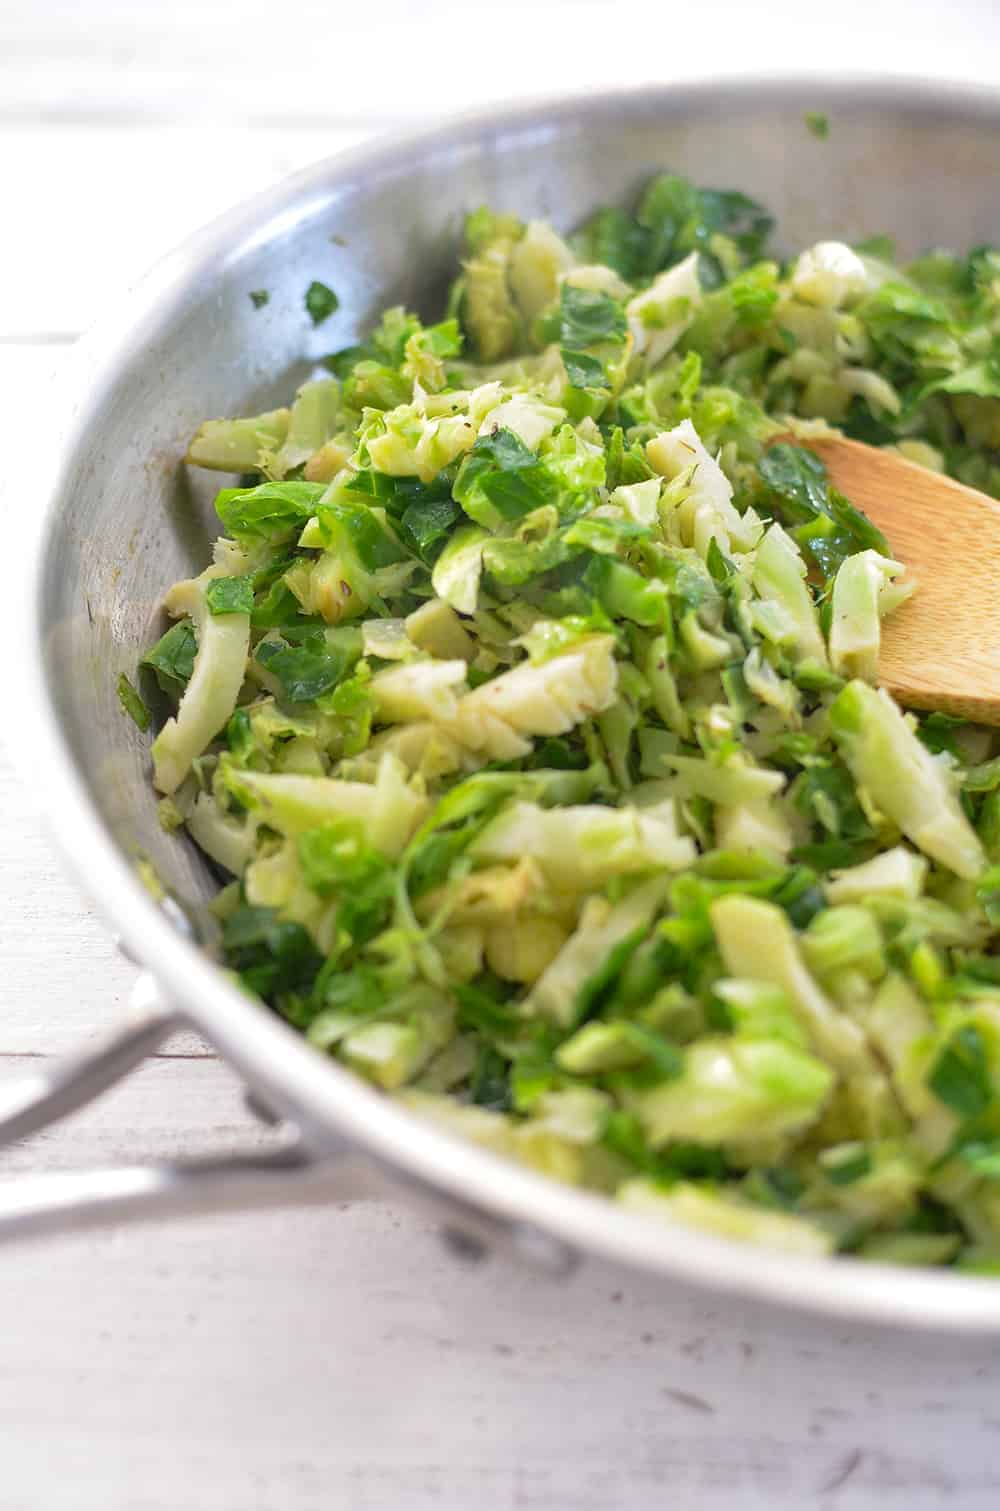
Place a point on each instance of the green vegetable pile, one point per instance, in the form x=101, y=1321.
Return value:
x=529, y=707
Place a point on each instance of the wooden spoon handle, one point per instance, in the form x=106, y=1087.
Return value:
x=941, y=649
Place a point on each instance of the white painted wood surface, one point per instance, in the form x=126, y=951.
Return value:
x=341, y=1359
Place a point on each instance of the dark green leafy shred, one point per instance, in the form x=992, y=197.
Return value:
x=982, y=379
x=587, y=317
x=673, y=219
x=624, y=1136
x=985, y=968
x=831, y=854
x=320, y=302
x=778, y=1186
x=818, y=124
x=825, y=794
x=661, y=1060
x=534, y=1071
x=171, y=659
x=484, y=1007
x=489, y=1084
x=824, y=522
x=276, y=606
x=983, y=778
x=422, y=513
x=337, y=862
x=582, y=370
x=240, y=736
x=501, y=469
x=937, y=732
x=311, y=667
x=271, y=511
x=626, y=463
x=427, y=523
x=259, y=297
x=270, y=953
x=681, y=218
x=459, y=816
x=798, y=479
x=844, y=1166
x=988, y=894
x=505, y=450
x=132, y=703
x=348, y=521
x=960, y=1076
x=360, y=992
x=229, y=595
x=614, y=238
x=351, y=704
x=982, y=1156
x=598, y=984
x=687, y=1161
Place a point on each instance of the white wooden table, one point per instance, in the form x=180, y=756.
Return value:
x=340, y=1359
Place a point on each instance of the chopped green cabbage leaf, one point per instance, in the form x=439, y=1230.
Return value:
x=530, y=703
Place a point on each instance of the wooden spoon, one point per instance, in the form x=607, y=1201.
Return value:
x=940, y=649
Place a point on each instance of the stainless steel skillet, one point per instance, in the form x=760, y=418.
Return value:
x=118, y=518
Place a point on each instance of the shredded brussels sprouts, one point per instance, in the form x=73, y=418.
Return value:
x=529, y=711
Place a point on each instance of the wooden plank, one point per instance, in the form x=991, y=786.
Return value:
x=66, y=981
x=174, y=1105
x=341, y=1359
x=64, y=978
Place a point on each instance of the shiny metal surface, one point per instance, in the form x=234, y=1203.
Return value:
x=122, y=519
